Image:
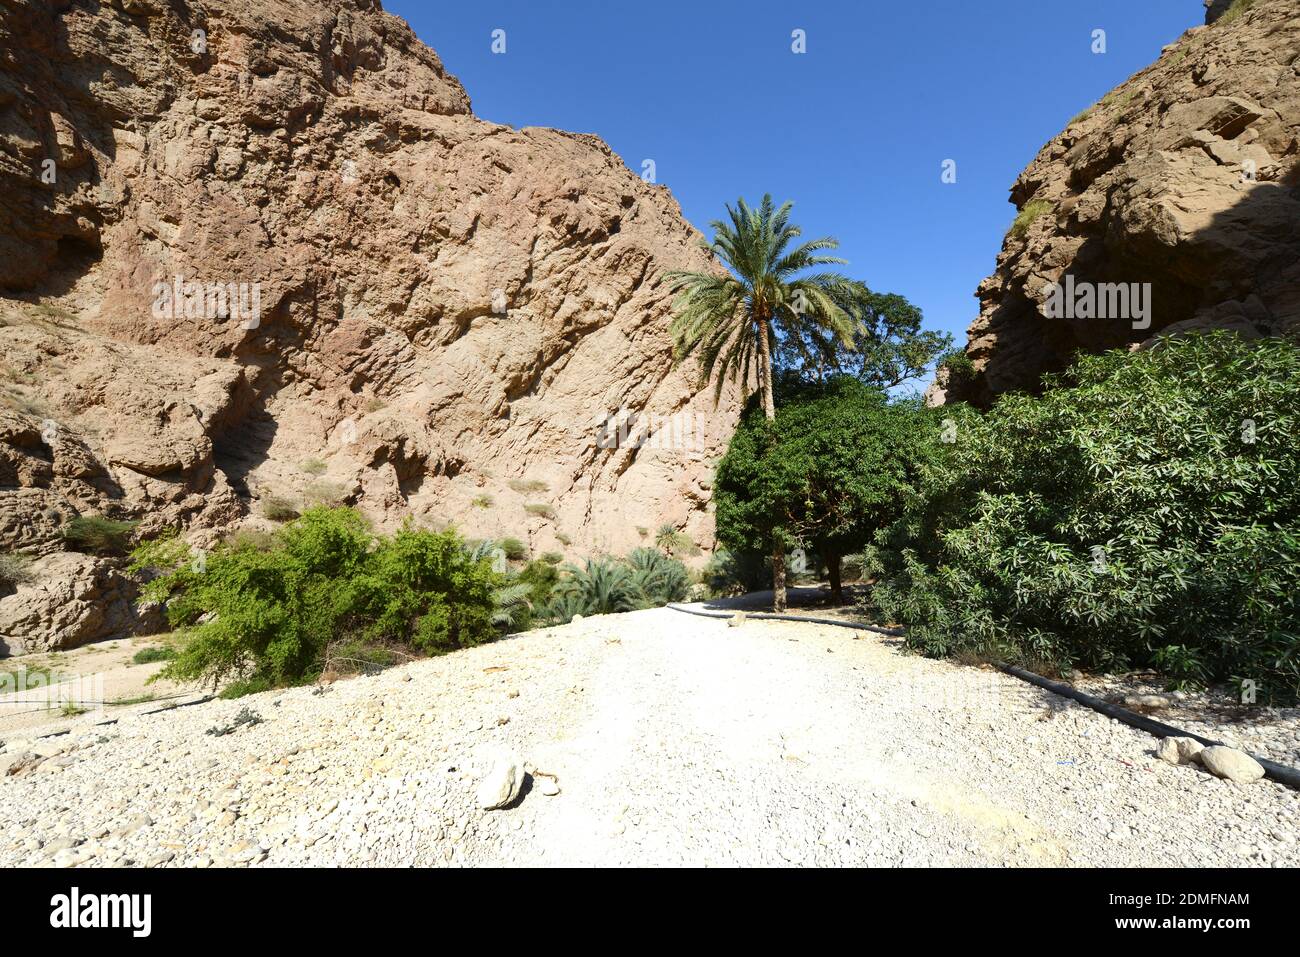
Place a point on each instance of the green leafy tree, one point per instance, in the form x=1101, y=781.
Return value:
x=831, y=469
x=889, y=345
x=772, y=287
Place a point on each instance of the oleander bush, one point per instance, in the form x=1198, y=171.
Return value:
x=1143, y=512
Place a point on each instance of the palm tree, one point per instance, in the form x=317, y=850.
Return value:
x=666, y=538
x=734, y=320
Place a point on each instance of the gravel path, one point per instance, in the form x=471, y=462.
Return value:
x=674, y=739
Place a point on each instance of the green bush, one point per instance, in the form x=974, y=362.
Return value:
x=729, y=573
x=265, y=616
x=527, y=486
x=825, y=475
x=279, y=509
x=1144, y=512
x=98, y=535
x=418, y=587
x=959, y=365
x=1238, y=8
x=515, y=550
x=541, y=510
x=541, y=576
x=15, y=569
x=146, y=656
x=328, y=494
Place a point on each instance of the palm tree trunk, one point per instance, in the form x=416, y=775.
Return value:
x=765, y=371
x=769, y=410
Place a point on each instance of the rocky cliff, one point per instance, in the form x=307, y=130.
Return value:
x=1172, y=204
x=259, y=253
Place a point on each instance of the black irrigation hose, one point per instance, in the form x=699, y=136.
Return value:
x=891, y=632
x=1278, y=772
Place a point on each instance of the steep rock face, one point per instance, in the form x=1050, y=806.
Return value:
x=383, y=300
x=1184, y=178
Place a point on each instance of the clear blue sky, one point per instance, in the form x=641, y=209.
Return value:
x=854, y=130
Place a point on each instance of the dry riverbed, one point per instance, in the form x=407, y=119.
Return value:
x=670, y=738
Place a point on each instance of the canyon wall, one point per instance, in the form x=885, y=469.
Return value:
x=256, y=254
x=1174, y=203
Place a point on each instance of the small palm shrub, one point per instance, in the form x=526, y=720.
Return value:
x=1144, y=512
x=659, y=579
x=600, y=586
x=605, y=585
x=674, y=542
x=98, y=535
x=563, y=607
x=513, y=607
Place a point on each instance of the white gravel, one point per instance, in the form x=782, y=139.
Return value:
x=673, y=739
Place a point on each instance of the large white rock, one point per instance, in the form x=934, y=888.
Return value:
x=1231, y=764
x=502, y=784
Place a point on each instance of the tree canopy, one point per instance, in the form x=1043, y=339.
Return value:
x=831, y=469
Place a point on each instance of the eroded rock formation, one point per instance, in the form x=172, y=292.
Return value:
x=1183, y=181
x=384, y=300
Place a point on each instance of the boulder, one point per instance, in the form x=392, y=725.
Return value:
x=502, y=784
x=1231, y=764
x=72, y=600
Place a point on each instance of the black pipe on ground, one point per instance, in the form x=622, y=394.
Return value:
x=1278, y=772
